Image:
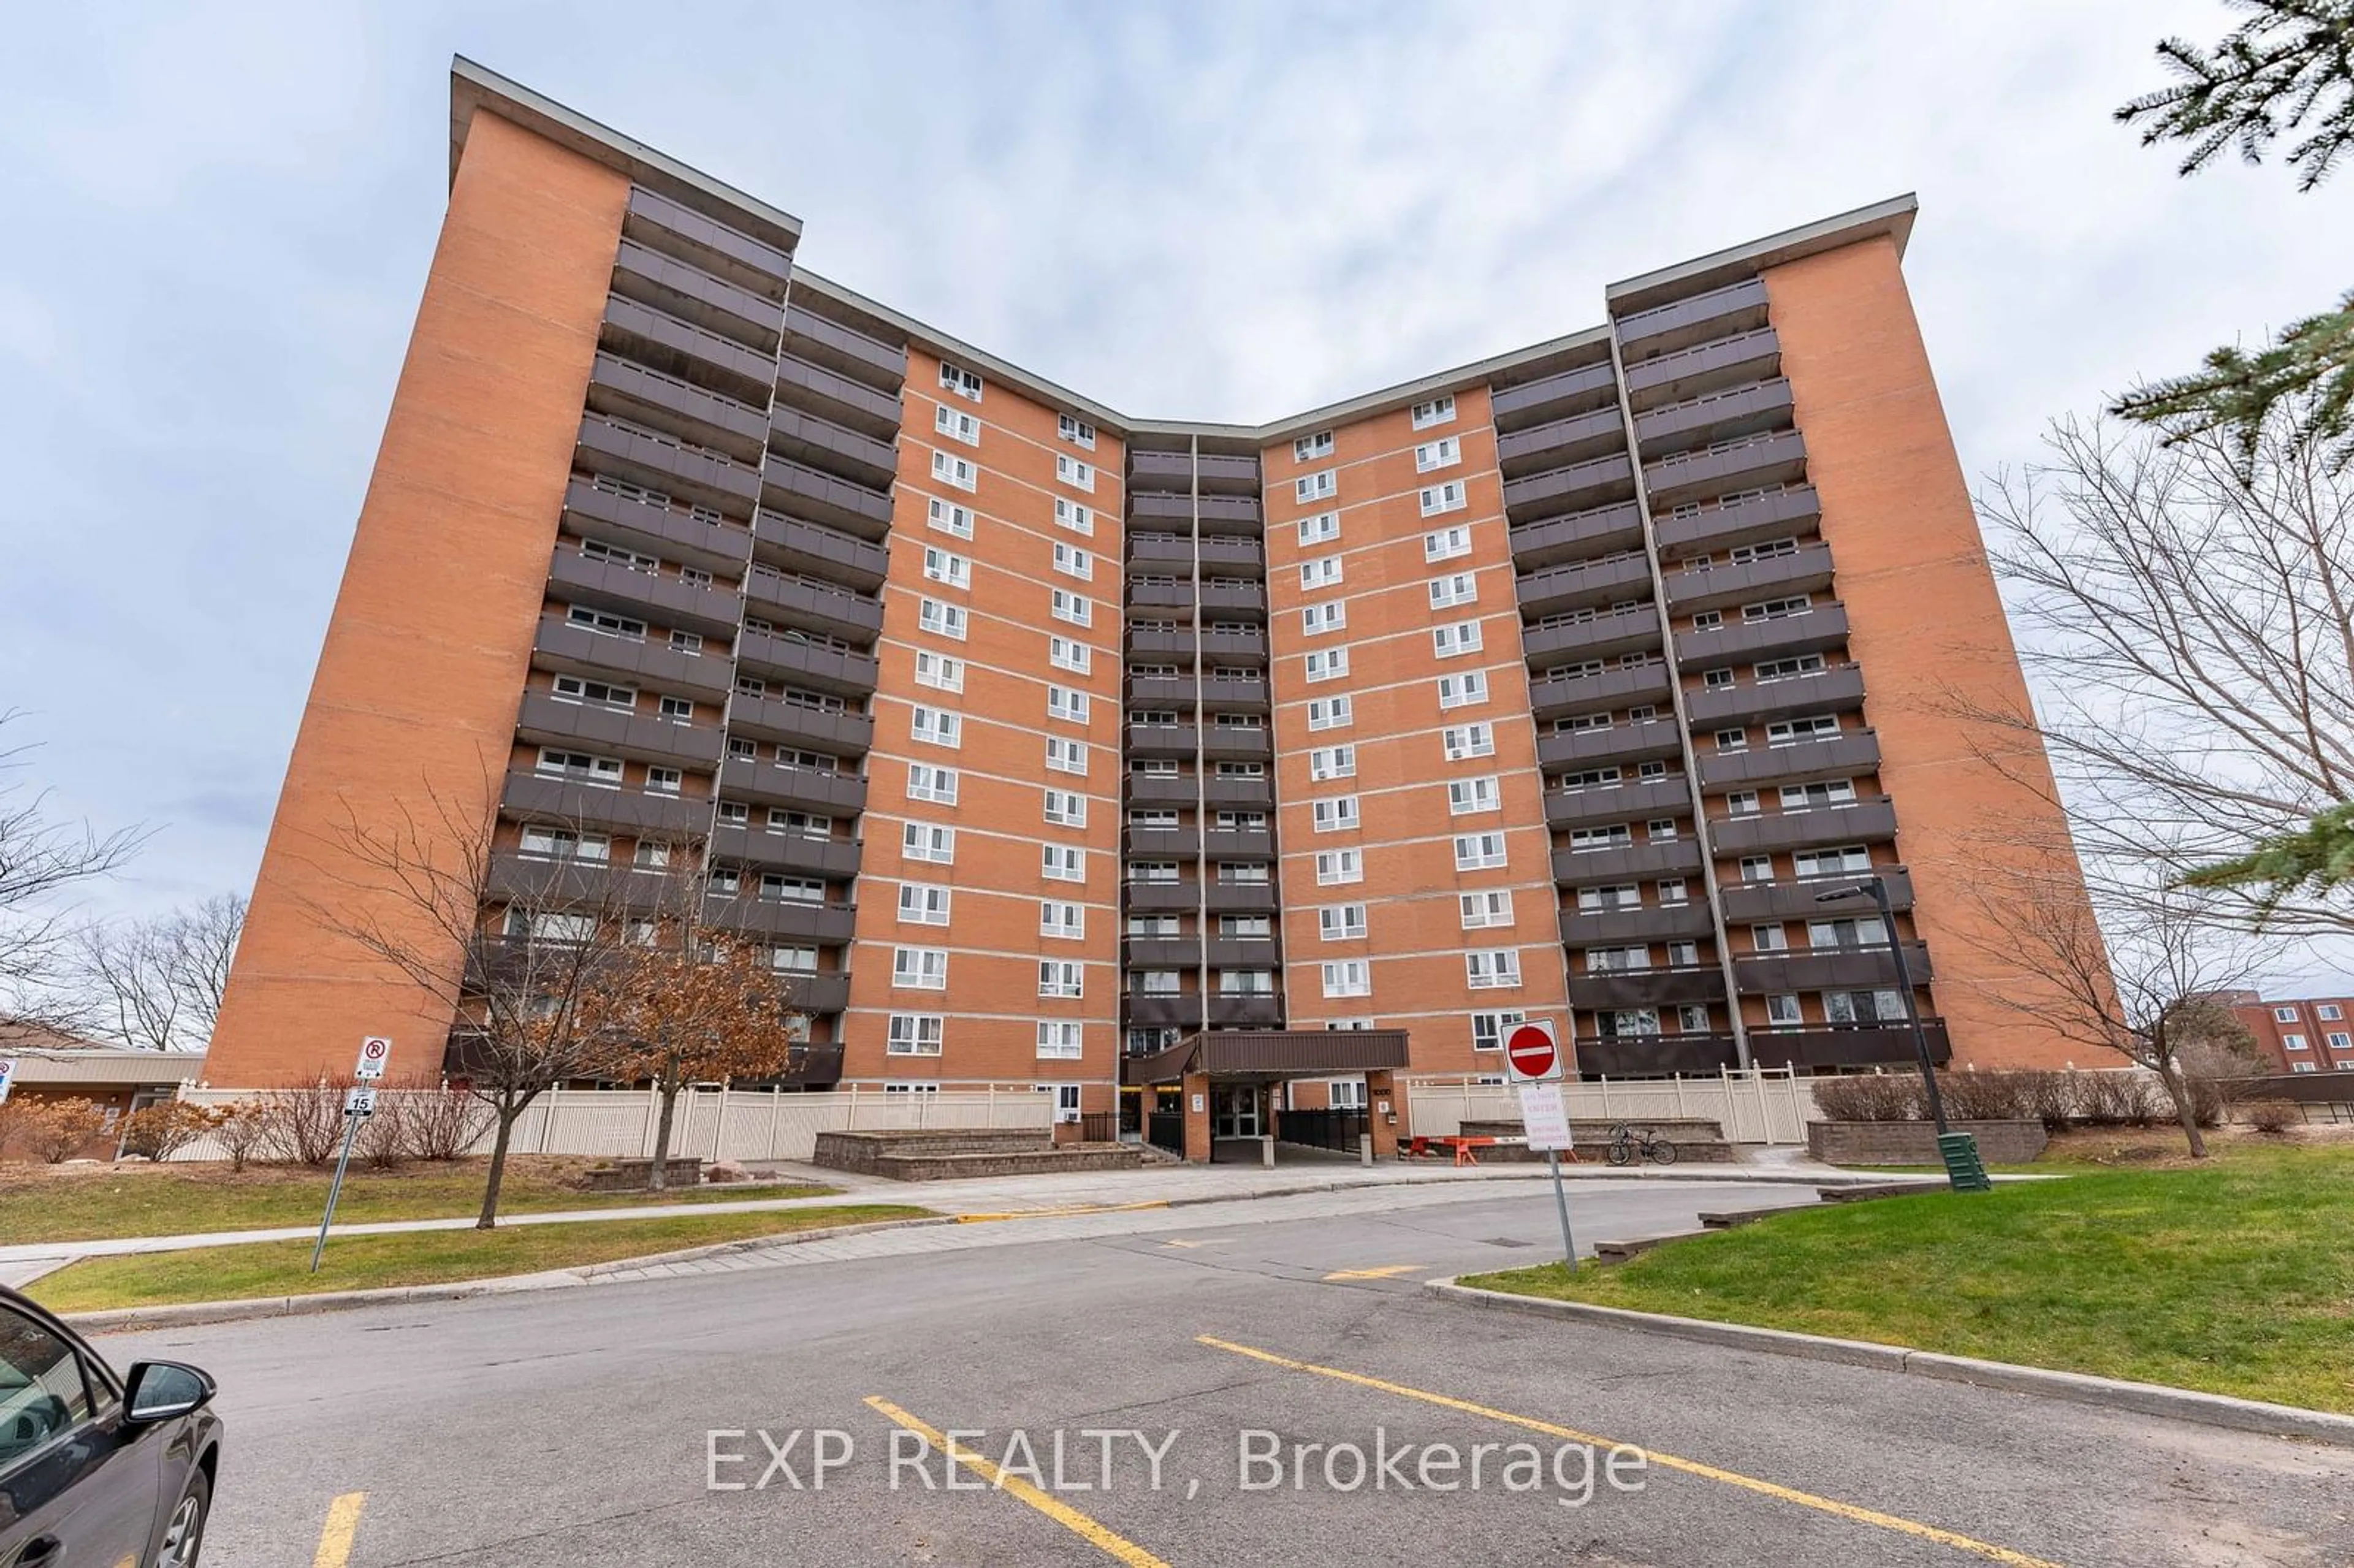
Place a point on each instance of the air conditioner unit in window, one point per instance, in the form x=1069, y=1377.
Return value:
x=1066, y=1115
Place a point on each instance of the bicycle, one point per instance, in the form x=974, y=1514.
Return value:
x=1628, y=1145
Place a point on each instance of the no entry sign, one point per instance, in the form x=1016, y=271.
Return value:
x=1529, y=1051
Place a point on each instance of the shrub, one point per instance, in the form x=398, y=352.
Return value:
x=2272, y=1116
x=1989, y=1097
x=2118, y=1098
x=56, y=1130
x=245, y=1130
x=382, y=1142
x=12, y=1122
x=306, y=1120
x=2052, y=1098
x=161, y=1130
x=444, y=1123
x=1869, y=1097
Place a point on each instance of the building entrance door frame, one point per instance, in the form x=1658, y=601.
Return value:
x=1235, y=1111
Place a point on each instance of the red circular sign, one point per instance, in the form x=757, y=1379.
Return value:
x=1531, y=1051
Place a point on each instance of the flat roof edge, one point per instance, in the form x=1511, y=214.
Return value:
x=1892, y=218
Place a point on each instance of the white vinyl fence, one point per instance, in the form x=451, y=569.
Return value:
x=1764, y=1106
x=724, y=1124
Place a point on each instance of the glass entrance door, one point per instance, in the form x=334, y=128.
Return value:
x=1233, y=1111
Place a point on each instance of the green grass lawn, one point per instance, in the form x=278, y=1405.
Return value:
x=41, y=1203
x=2235, y=1278
x=412, y=1257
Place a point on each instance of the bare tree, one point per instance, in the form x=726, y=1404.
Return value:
x=2192, y=624
x=42, y=861
x=155, y=984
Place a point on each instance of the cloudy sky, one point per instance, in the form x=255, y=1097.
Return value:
x=221, y=216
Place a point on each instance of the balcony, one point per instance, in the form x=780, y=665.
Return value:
x=1555, y=696
x=1233, y=598
x=1161, y=470
x=1147, y=552
x=1232, y=514
x=1160, y=952
x=682, y=349
x=659, y=462
x=1620, y=928
x=1162, y=739
x=820, y=923
x=839, y=399
x=1635, y=802
x=833, y=859
x=1244, y=1010
x=1147, y=1009
x=1748, y=902
x=1847, y=755
x=1863, y=822
x=1626, y=861
x=1579, y=583
x=1247, y=792
x=1152, y=647
x=804, y=491
x=779, y=784
x=1227, y=473
x=1807, y=569
x=1815, y=630
x=683, y=290
x=1689, y=373
x=1715, y=416
x=793, y=545
x=1227, y=551
x=820, y=993
x=1161, y=843
x=668, y=402
x=1177, y=898
x=1162, y=693
x=1655, y=1056
x=1242, y=952
x=587, y=886
x=1239, y=843
x=574, y=578
x=1162, y=789
x=1843, y=969
x=1602, y=636
x=1645, y=335
x=548, y=720
x=1575, y=535
x=1145, y=596
x=1838, y=688
x=844, y=350
x=1747, y=463
x=1565, y=392
x=820, y=607
x=821, y=443
x=577, y=651
x=1241, y=898
x=1233, y=743
x=1237, y=647
x=1614, y=990
x=539, y=797
x=842, y=733
x=718, y=249
x=1774, y=514
x=1618, y=743
x=778, y=656
x=1820, y=1046
x=1235, y=694
x=1580, y=485
x=656, y=530
x=1576, y=438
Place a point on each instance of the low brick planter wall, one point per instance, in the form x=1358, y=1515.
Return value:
x=939, y=1154
x=630, y=1175
x=1916, y=1142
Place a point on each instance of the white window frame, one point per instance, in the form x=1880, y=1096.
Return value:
x=1077, y=608
x=1336, y=814
x=1486, y=908
x=1070, y=471
x=960, y=472
x=1444, y=452
x=956, y=425
x=1331, y=713
x=930, y=781
x=1321, y=528
x=943, y=671
x=1439, y=499
x=1438, y=410
x=935, y=727
x=1065, y=756
x=1492, y=969
x=1342, y=923
x=919, y=969
x=1063, y=862
x=1064, y=919
x=1339, y=868
x=1070, y=653
x=949, y=517
x=934, y=842
x=1325, y=665
x=914, y=1035
x=1481, y=850
x=1467, y=690
x=925, y=903
x=1073, y=562
x=1347, y=977
x=1060, y=1040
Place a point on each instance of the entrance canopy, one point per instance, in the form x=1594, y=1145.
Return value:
x=1270, y=1055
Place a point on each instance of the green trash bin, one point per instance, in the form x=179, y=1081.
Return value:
x=1963, y=1169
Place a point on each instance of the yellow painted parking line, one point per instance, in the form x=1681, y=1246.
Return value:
x=1102, y=1537
x=343, y=1524
x=1387, y=1271
x=1055, y=1213
x=1850, y=1511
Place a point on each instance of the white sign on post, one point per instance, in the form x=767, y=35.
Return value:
x=7, y=1076
x=1544, y=1117
x=375, y=1051
x=359, y=1101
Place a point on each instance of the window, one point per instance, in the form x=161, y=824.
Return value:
x=1153, y=871
x=1245, y=872
x=1616, y=961
x=1806, y=797
x=1716, y=680
x=921, y=904
x=1062, y=919
x=1154, y=982
x=614, y=555
x=48, y=1397
x=1463, y=637
x=1707, y=619
x=735, y=813
x=1692, y=1019
x=1847, y=860
x=1076, y=430
x=1479, y=910
x=1245, y=982
x=1617, y=836
x=1330, y=713
x=2293, y=1042
x=948, y=567
x=1341, y=922
x=926, y=782
x=1855, y=932
x=1058, y=1040
x=2340, y=1040
x=1439, y=498
x=1066, y=808
x=1462, y=691
x=1068, y=653
x=1465, y=796
x=1066, y=756
x=1460, y=587
x=800, y=824
x=1317, y=618
x=1321, y=528
x=1077, y=608
x=1062, y=862
x=2327, y=1011
x=604, y=771
x=940, y=670
x=1479, y=852
x=920, y=968
x=1660, y=831
x=1308, y=449
x=914, y=1034
x=1252, y=926
x=1789, y=732
x=1332, y=762
x=1436, y=411
x=1769, y=938
x=1072, y=561
x=1334, y=815
x=938, y=726
x=1334, y=867
x=956, y=425
x=1348, y=977
x=960, y=381
x=2284, y=1015
x=1070, y=471
x=688, y=642
x=959, y=472
x=1072, y=514
x=1061, y=976
x=548, y=843
x=941, y=619
x=1326, y=665
x=926, y=841
x=949, y=517
x=1783, y=1009
x=1784, y=669
x=605, y=623
x=1323, y=572
x=1733, y=740
x=1595, y=900
x=1063, y=703
x=1318, y=486
x=573, y=689
x=1444, y=452
x=1742, y=802
x=1489, y=1029
x=1757, y=868
x=1446, y=544
x=1496, y=969
x=1776, y=609
x=664, y=780
x=677, y=710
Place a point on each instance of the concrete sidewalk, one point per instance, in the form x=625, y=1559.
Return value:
x=1008, y=1197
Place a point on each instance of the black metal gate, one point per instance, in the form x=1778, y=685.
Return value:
x=1335, y=1129
x=1166, y=1129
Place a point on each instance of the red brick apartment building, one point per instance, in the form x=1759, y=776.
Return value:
x=1043, y=738
x=2312, y=1035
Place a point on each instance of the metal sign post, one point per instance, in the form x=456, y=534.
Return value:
x=7, y=1076
x=1534, y=1058
x=359, y=1104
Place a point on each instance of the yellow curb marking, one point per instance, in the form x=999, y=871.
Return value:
x=1101, y=1537
x=1890, y=1522
x=343, y=1524
x=1053, y=1214
x=1387, y=1271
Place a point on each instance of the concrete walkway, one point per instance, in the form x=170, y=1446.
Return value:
x=1010, y=1197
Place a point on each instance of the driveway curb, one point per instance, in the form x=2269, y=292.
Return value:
x=2140, y=1398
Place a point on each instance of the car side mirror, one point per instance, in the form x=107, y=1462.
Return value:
x=158, y=1391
